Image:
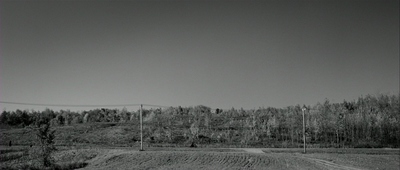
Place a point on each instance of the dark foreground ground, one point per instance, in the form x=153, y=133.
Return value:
x=205, y=158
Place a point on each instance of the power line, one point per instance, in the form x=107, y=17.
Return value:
x=73, y=105
x=86, y=105
x=152, y=105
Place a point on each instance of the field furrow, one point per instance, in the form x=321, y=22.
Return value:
x=201, y=159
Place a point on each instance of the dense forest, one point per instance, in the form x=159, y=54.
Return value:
x=369, y=121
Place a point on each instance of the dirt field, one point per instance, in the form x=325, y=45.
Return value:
x=238, y=159
x=211, y=158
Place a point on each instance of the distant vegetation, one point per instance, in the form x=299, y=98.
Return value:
x=369, y=121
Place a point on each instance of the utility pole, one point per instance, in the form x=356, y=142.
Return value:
x=141, y=128
x=304, y=130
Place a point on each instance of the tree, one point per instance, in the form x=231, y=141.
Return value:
x=60, y=120
x=76, y=119
x=4, y=117
x=194, y=130
x=86, y=118
x=124, y=115
x=68, y=117
x=45, y=137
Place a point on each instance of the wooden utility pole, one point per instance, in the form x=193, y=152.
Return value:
x=141, y=128
x=304, y=130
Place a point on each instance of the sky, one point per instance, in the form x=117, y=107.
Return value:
x=221, y=54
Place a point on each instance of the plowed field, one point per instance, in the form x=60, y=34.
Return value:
x=210, y=158
x=237, y=159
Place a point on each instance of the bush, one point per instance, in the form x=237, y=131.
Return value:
x=179, y=139
x=204, y=139
x=45, y=138
x=367, y=144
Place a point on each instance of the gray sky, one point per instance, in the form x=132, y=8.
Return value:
x=220, y=54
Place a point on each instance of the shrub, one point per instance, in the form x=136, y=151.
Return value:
x=45, y=137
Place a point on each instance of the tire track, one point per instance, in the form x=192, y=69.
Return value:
x=146, y=158
x=328, y=163
x=211, y=160
x=194, y=157
x=241, y=161
x=224, y=159
x=214, y=158
x=235, y=160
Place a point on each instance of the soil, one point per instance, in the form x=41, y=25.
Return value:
x=214, y=158
x=247, y=158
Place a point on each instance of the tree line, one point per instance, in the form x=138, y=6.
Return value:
x=369, y=121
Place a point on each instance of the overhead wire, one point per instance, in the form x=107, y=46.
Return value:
x=86, y=105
